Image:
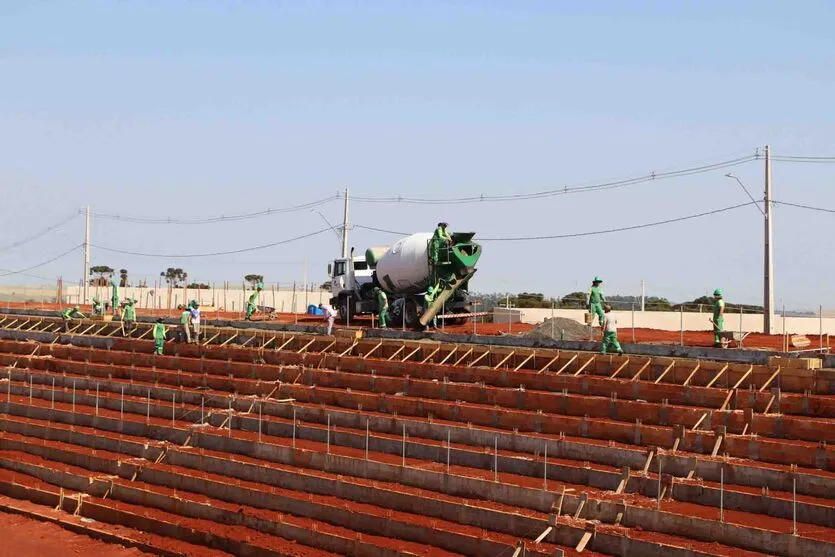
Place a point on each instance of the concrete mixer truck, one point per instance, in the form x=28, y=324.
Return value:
x=405, y=271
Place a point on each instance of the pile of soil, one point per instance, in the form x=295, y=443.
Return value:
x=572, y=329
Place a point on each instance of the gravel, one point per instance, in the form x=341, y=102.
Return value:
x=572, y=329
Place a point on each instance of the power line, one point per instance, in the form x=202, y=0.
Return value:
x=212, y=254
x=43, y=232
x=800, y=206
x=566, y=190
x=803, y=159
x=591, y=233
x=47, y=262
x=215, y=219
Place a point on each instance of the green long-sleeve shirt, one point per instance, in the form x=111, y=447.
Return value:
x=159, y=331
x=595, y=296
x=382, y=300
x=442, y=234
x=253, y=299
x=130, y=312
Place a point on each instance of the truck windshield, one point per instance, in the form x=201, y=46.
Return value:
x=360, y=265
x=339, y=268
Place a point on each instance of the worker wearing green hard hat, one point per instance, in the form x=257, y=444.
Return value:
x=428, y=298
x=595, y=301
x=440, y=239
x=98, y=308
x=718, y=317
x=69, y=313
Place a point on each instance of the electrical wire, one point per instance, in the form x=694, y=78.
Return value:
x=43, y=232
x=43, y=263
x=215, y=219
x=566, y=190
x=591, y=233
x=212, y=254
x=803, y=159
x=800, y=206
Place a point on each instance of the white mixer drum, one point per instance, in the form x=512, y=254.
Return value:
x=404, y=268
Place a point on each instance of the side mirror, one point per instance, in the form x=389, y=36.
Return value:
x=330, y=270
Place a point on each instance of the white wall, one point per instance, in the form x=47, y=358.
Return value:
x=672, y=321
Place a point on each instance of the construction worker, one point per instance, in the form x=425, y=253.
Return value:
x=610, y=332
x=129, y=317
x=718, y=317
x=114, y=297
x=98, y=309
x=382, y=307
x=71, y=313
x=330, y=315
x=440, y=239
x=159, y=336
x=194, y=308
x=595, y=301
x=185, y=324
x=428, y=298
x=252, y=304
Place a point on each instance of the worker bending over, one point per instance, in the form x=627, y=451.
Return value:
x=159, y=336
x=718, y=317
x=382, y=307
x=595, y=301
x=71, y=313
x=129, y=317
x=610, y=332
x=330, y=315
x=98, y=308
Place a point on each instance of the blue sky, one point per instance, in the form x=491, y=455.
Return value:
x=194, y=109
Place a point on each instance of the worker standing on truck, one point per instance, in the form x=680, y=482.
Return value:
x=428, y=298
x=129, y=320
x=159, y=336
x=440, y=239
x=595, y=301
x=330, y=315
x=382, y=307
x=71, y=313
x=718, y=317
x=194, y=308
x=610, y=332
x=114, y=297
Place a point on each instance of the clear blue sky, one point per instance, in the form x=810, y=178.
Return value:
x=192, y=109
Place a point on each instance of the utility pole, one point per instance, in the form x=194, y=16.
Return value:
x=768, y=275
x=345, y=228
x=643, y=295
x=85, y=280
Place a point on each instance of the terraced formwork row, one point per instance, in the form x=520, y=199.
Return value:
x=498, y=468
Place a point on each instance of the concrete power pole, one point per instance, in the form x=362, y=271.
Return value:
x=345, y=229
x=643, y=295
x=85, y=281
x=768, y=276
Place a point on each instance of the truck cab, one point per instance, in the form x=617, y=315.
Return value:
x=351, y=280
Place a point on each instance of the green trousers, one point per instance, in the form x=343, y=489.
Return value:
x=383, y=317
x=718, y=327
x=610, y=340
x=250, y=309
x=597, y=309
x=158, y=345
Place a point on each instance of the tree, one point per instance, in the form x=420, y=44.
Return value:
x=174, y=276
x=574, y=300
x=325, y=286
x=101, y=271
x=198, y=286
x=253, y=279
x=123, y=277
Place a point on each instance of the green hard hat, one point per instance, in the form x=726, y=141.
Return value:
x=717, y=292
x=76, y=308
x=597, y=279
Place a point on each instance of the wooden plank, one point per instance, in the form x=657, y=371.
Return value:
x=546, y=366
x=367, y=354
x=448, y=356
x=717, y=376
x=699, y=423
x=584, y=541
x=230, y=339
x=464, y=357
x=412, y=353
x=727, y=400
x=770, y=402
x=206, y=343
x=568, y=363
x=643, y=367
x=267, y=343
x=286, y=342
x=350, y=348
x=669, y=367
x=474, y=362
x=506, y=358
x=526, y=360
x=620, y=368
x=692, y=374
x=429, y=357
x=328, y=347
x=584, y=366
x=399, y=350
x=770, y=379
x=744, y=377
x=543, y=535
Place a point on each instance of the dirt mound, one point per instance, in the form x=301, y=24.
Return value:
x=554, y=327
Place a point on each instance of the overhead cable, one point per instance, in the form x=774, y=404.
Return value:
x=43, y=263
x=212, y=254
x=215, y=219
x=800, y=206
x=43, y=232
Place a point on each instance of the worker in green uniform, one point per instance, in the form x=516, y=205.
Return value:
x=595, y=301
x=252, y=304
x=129, y=317
x=440, y=239
x=70, y=313
x=159, y=336
x=114, y=297
x=718, y=317
x=610, y=332
x=382, y=308
x=98, y=309
x=185, y=324
x=428, y=298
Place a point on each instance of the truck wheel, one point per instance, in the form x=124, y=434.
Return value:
x=345, y=313
x=410, y=311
